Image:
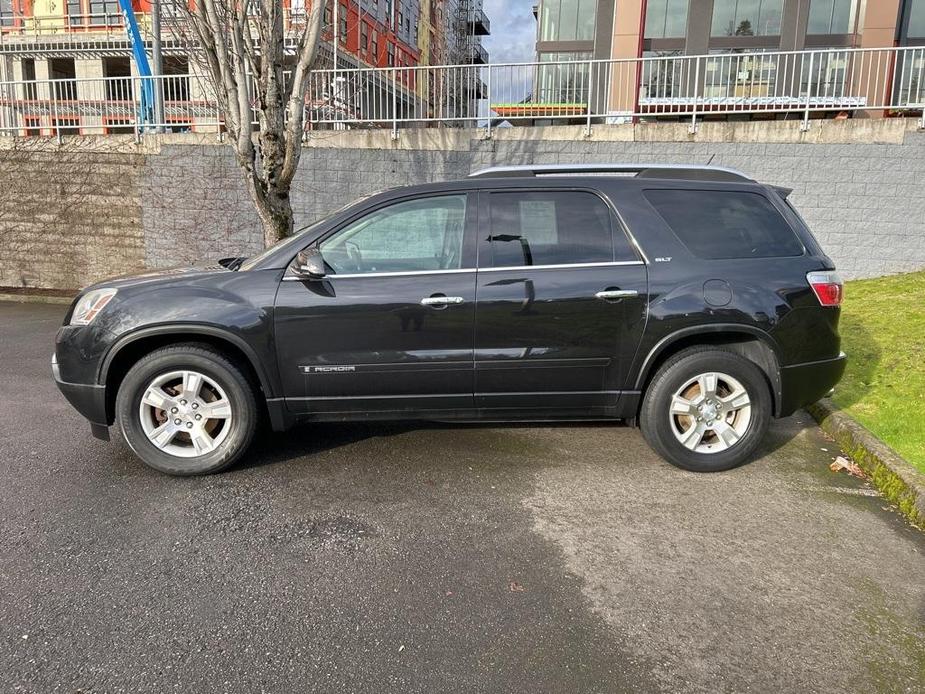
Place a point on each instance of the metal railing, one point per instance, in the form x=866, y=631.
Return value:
x=797, y=85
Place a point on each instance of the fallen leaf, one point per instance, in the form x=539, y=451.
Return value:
x=842, y=463
x=516, y=587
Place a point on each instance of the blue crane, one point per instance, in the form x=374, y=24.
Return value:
x=146, y=101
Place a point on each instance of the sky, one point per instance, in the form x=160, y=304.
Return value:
x=513, y=30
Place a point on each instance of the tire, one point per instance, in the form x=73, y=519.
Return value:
x=207, y=411
x=724, y=436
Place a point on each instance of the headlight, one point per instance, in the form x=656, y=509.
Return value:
x=90, y=305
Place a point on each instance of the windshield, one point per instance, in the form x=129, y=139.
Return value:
x=254, y=259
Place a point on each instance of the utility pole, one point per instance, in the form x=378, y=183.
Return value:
x=158, y=67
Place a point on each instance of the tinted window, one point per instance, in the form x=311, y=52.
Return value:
x=747, y=17
x=425, y=234
x=829, y=16
x=551, y=228
x=666, y=19
x=722, y=224
x=917, y=19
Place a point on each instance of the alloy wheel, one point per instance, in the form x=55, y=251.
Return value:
x=185, y=413
x=710, y=413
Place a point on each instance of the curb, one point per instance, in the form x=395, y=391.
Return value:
x=896, y=478
x=36, y=298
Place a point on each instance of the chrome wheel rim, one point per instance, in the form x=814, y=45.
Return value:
x=710, y=413
x=185, y=414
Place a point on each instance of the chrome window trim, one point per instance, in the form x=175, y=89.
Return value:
x=508, y=268
x=407, y=273
x=567, y=266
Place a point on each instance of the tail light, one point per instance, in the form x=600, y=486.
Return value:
x=827, y=286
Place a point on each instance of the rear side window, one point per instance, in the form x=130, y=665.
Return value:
x=720, y=225
x=551, y=228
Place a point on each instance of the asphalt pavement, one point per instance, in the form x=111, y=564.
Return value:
x=439, y=558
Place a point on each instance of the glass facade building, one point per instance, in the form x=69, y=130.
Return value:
x=611, y=28
x=567, y=20
x=753, y=48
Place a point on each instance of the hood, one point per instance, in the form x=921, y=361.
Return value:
x=154, y=277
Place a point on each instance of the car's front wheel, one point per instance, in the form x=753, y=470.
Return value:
x=186, y=410
x=706, y=410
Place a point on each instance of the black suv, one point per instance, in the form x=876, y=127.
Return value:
x=692, y=300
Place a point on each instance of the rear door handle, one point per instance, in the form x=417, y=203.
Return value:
x=441, y=301
x=611, y=294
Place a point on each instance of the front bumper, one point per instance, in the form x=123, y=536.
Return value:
x=88, y=399
x=804, y=384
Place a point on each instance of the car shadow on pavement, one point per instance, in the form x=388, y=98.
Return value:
x=306, y=441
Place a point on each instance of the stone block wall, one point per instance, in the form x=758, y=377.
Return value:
x=92, y=207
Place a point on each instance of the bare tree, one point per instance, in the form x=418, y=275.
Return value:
x=241, y=44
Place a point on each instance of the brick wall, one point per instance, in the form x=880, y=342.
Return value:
x=73, y=214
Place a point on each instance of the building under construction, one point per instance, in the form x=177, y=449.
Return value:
x=70, y=67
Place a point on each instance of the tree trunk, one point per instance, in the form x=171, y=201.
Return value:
x=274, y=209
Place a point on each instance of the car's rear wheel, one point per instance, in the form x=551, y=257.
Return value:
x=706, y=410
x=186, y=410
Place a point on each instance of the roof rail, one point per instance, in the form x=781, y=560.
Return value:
x=681, y=171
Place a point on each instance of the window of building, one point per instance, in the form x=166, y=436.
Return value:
x=75, y=12
x=665, y=78
x=567, y=20
x=63, y=69
x=720, y=225
x=916, y=26
x=6, y=13
x=408, y=236
x=118, y=89
x=104, y=12
x=375, y=46
x=342, y=22
x=364, y=36
x=28, y=75
x=551, y=228
x=731, y=73
x=176, y=78
x=561, y=80
x=666, y=19
x=747, y=17
x=831, y=17
x=390, y=53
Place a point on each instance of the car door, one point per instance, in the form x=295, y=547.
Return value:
x=562, y=297
x=390, y=326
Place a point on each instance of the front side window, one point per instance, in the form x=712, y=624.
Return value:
x=747, y=17
x=550, y=228
x=411, y=236
x=719, y=225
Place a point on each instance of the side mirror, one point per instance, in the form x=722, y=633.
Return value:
x=309, y=264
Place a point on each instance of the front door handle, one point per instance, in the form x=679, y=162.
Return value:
x=612, y=294
x=441, y=301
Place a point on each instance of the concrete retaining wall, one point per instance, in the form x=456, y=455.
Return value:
x=92, y=207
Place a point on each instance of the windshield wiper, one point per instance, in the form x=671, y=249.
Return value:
x=231, y=263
